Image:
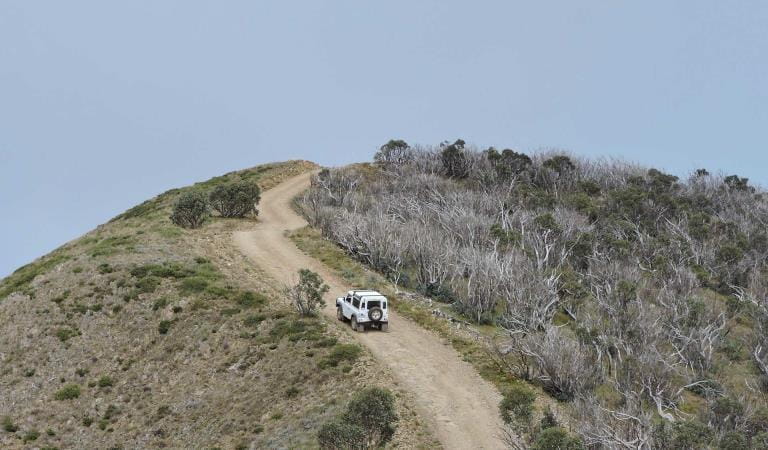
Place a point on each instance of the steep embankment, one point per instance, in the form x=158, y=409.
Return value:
x=141, y=334
x=460, y=405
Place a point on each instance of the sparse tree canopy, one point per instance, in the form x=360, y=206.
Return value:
x=394, y=152
x=307, y=294
x=455, y=161
x=604, y=276
x=508, y=163
x=236, y=199
x=560, y=164
x=190, y=210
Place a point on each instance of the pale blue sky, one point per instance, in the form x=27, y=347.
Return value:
x=105, y=104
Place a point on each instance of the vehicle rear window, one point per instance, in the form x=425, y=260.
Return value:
x=374, y=304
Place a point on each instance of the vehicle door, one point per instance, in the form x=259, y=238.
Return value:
x=346, y=306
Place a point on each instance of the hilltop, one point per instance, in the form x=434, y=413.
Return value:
x=144, y=334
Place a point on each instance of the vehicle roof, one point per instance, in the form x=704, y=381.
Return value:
x=365, y=293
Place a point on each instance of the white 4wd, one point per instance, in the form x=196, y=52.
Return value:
x=363, y=309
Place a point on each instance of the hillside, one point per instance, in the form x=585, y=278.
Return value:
x=143, y=334
x=618, y=306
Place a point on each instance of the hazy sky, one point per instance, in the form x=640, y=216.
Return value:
x=105, y=104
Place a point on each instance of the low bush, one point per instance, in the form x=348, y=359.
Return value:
x=517, y=404
x=690, y=435
x=68, y=392
x=8, y=425
x=250, y=299
x=733, y=440
x=106, y=381
x=254, y=320
x=236, y=199
x=373, y=409
x=190, y=210
x=31, y=436
x=307, y=294
x=337, y=434
x=556, y=438
x=369, y=421
x=65, y=334
x=340, y=353
x=164, y=326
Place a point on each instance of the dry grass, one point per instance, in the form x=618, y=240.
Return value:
x=173, y=340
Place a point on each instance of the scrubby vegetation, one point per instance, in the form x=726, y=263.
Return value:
x=369, y=421
x=190, y=210
x=236, y=199
x=145, y=334
x=307, y=294
x=633, y=297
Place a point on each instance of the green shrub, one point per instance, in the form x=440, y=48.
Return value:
x=8, y=425
x=508, y=163
x=190, y=210
x=194, y=285
x=338, y=434
x=236, y=199
x=454, y=159
x=164, y=326
x=254, y=320
x=341, y=353
x=106, y=381
x=760, y=441
x=163, y=411
x=160, y=303
x=691, y=435
x=733, y=440
x=307, y=294
x=548, y=420
x=373, y=409
x=64, y=334
x=68, y=392
x=250, y=299
x=87, y=421
x=560, y=164
x=147, y=285
x=291, y=392
x=31, y=436
x=111, y=245
x=517, y=404
x=556, y=438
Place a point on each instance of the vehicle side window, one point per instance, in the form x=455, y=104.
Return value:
x=362, y=305
x=356, y=303
x=384, y=306
x=347, y=299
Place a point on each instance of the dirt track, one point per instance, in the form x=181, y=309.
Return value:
x=460, y=405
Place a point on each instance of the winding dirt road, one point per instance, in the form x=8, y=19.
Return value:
x=460, y=406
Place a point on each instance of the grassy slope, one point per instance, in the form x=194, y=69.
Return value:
x=172, y=339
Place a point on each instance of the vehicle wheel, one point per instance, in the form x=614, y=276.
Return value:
x=339, y=315
x=353, y=323
x=384, y=326
x=375, y=314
